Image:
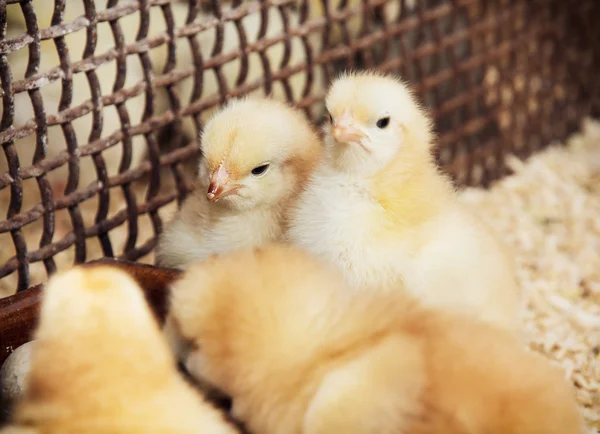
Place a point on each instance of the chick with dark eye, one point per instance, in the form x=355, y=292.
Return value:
x=383, y=122
x=260, y=170
x=258, y=155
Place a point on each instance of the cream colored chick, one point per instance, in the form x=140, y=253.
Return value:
x=100, y=365
x=380, y=210
x=279, y=332
x=257, y=154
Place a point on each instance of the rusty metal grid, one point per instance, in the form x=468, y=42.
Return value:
x=499, y=76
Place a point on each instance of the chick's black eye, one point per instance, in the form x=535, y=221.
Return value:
x=259, y=170
x=330, y=118
x=383, y=122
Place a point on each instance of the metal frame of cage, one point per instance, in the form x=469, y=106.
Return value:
x=499, y=77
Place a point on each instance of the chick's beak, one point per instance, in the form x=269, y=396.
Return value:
x=220, y=185
x=346, y=131
x=347, y=134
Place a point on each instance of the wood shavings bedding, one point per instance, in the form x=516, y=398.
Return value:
x=548, y=212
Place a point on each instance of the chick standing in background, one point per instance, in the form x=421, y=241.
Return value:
x=279, y=332
x=257, y=154
x=379, y=208
x=100, y=365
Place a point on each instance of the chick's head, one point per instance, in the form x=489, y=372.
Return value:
x=95, y=327
x=256, y=152
x=373, y=119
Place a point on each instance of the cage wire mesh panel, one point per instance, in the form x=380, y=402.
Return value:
x=103, y=101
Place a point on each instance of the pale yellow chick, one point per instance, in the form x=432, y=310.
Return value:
x=381, y=211
x=279, y=332
x=100, y=365
x=257, y=154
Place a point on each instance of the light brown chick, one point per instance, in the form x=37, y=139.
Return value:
x=100, y=365
x=257, y=154
x=300, y=353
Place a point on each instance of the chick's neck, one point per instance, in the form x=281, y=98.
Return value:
x=411, y=189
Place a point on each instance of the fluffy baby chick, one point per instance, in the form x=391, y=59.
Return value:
x=379, y=208
x=100, y=365
x=257, y=153
x=278, y=331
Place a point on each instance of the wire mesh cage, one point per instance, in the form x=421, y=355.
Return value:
x=103, y=101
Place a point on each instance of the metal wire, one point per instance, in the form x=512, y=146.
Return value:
x=500, y=77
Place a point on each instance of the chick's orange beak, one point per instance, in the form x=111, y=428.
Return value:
x=346, y=131
x=220, y=185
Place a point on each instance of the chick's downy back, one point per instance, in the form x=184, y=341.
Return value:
x=257, y=155
x=380, y=209
x=100, y=365
x=279, y=332
x=485, y=381
x=264, y=326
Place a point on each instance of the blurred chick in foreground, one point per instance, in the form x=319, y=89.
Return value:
x=379, y=208
x=278, y=331
x=257, y=154
x=100, y=365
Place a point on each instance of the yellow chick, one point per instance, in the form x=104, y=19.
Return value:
x=100, y=365
x=257, y=154
x=279, y=332
x=379, y=208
